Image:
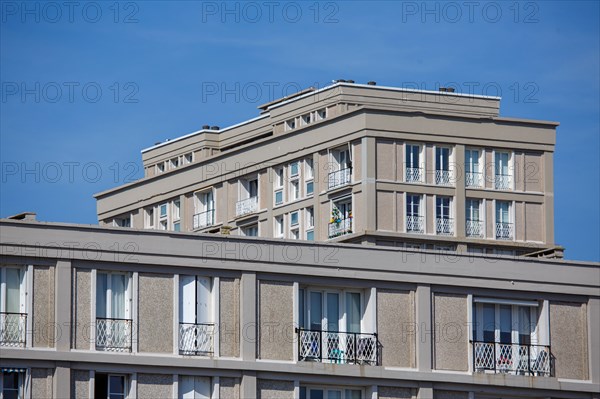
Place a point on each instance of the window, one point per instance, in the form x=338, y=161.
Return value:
x=290, y=124
x=306, y=119
x=341, y=167
x=149, y=218
x=278, y=184
x=504, y=225
x=175, y=163
x=204, y=209
x=330, y=393
x=310, y=224
x=188, y=158
x=473, y=175
x=113, y=302
x=294, y=218
x=414, y=218
x=13, y=317
x=474, y=224
x=124, y=221
x=160, y=167
x=279, y=226
x=11, y=384
x=294, y=190
x=444, y=224
x=503, y=180
x=250, y=231
x=110, y=386
x=414, y=170
x=340, y=222
x=294, y=169
x=442, y=166
x=163, y=210
x=176, y=215
x=322, y=114
x=309, y=176
x=248, y=194
x=194, y=387
x=196, y=325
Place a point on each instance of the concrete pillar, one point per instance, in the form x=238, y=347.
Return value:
x=424, y=327
x=367, y=175
x=62, y=305
x=549, y=197
x=459, y=198
x=594, y=339
x=248, y=388
x=248, y=317
x=62, y=381
x=425, y=391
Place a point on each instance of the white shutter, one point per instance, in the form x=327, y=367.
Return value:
x=187, y=299
x=204, y=305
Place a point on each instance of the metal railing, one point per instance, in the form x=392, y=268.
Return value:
x=339, y=178
x=473, y=179
x=415, y=224
x=204, y=219
x=196, y=338
x=13, y=328
x=245, y=206
x=519, y=359
x=474, y=228
x=444, y=226
x=504, y=231
x=503, y=182
x=414, y=175
x=113, y=334
x=341, y=228
x=337, y=347
x=442, y=178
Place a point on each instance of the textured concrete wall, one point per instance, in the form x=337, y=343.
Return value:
x=385, y=210
x=229, y=388
x=519, y=218
x=451, y=340
x=153, y=386
x=533, y=173
x=276, y=307
x=81, y=308
x=400, y=212
x=155, y=320
x=396, y=393
x=270, y=389
x=450, y=395
x=229, y=328
x=385, y=159
x=395, y=328
x=41, y=383
x=80, y=384
x=43, y=306
x=568, y=339
x=534, y=222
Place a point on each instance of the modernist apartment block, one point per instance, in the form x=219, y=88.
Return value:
x=103, y=312
x=361, y=164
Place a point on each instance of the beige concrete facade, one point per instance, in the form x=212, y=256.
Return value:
x=155, y=306
x=450, y=317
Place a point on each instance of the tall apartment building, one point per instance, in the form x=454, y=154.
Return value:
x=103, y=312
x=360, y=164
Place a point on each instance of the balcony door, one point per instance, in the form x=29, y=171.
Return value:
x=414, y=213
x=192, y=387
x=341, y=159
x=204, y=209
x=12, y=290
x=195, y=315
x=249, y=188
x=113, y=296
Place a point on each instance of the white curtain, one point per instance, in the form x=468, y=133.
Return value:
x=13, y=290
x=118, y=289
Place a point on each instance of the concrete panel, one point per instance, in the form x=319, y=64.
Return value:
x=399, y=161
x=271, y=389
x=429, y=215
x=155, y=318
x=276, y=308
x=43, y=306
x=568, y=339
x=489, y=219
x=229, y=388
x=451, y=340
x=488, y=168
x=519, y=218
x=533, y=172
x=429, y=165
x=80, y=384
x=437, y=394
x=151, y=386
x=385, y=159
x=396, y=393
x=519, y=169
x=395, y=328
x=385, y=210
x=41, y=383
x=400, y=212
x=534, y=223
x=82, y=308
x=229, y=328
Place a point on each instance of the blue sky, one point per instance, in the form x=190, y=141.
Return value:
x=87, y=85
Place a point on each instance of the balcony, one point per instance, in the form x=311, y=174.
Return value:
x=246, y=206
x=474, y=228
x=442, y=178
x=414, y=175
x=444, y=226
x=339, y=178
x=204, y=219
x=196, y=338
x=113, y=335
x=415, y=224
x=517, y=359
x=504, y=231
x=13, y=327
x=473, y=179
x=503, y=182
x=340, y=228
x=337, y=347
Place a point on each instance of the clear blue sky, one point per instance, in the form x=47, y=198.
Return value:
x=86, y=86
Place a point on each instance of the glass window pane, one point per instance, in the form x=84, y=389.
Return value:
x=334, y=394
x=101, y=287
x=310, y=235
x=525, y=325
x=278, y=197
x=118, y=287
x=316, y=311
x=505, y=324
x=316, y=394
x=13, y=290
x=116, y=385
x=353, y=312
x=489, y=322
x=353, y=394
x=333, y=312
x=309, y=188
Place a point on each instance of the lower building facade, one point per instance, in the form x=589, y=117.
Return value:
x=98, y=312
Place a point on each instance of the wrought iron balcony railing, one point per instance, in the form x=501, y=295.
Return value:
x=444, y=226
x=13, y=327
x=473, y=179
x=414, y=175
x=340, y=228
x=503, y=182
x=339, y=178
x=519, y=359
x=196, y=338
x=337, y=347
x=204, y=219
x=474, y=228
x=245, y=206
x=442, y=178
x=415, y=224
x=504, y=231
x=113, y=334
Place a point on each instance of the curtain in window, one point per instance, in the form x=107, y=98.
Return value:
x=118, y=288
x=13, y=290
x=353, y=312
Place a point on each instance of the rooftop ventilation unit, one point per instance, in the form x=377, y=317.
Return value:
x=214, y=128
x=205, y=127
x=372, y=83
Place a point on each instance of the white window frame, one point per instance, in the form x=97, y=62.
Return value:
x=278, y=226
x=279, y=185
x=290, y=124
x=321, y=114
x=150, y=221
x=511, y=218
x=128, y=311
x=205, y=201
x=327, y=389
x=509, y=168
x=248, y=226
x=22, y=287
x=436, y=163
x=420, y=164
x=478, y=304
x=188, y=158
x=176, y=214
x=118, y=221
x=480, y=166
x=422, y=212
x=481, y=210
x=342, y=307
x=160, y=168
